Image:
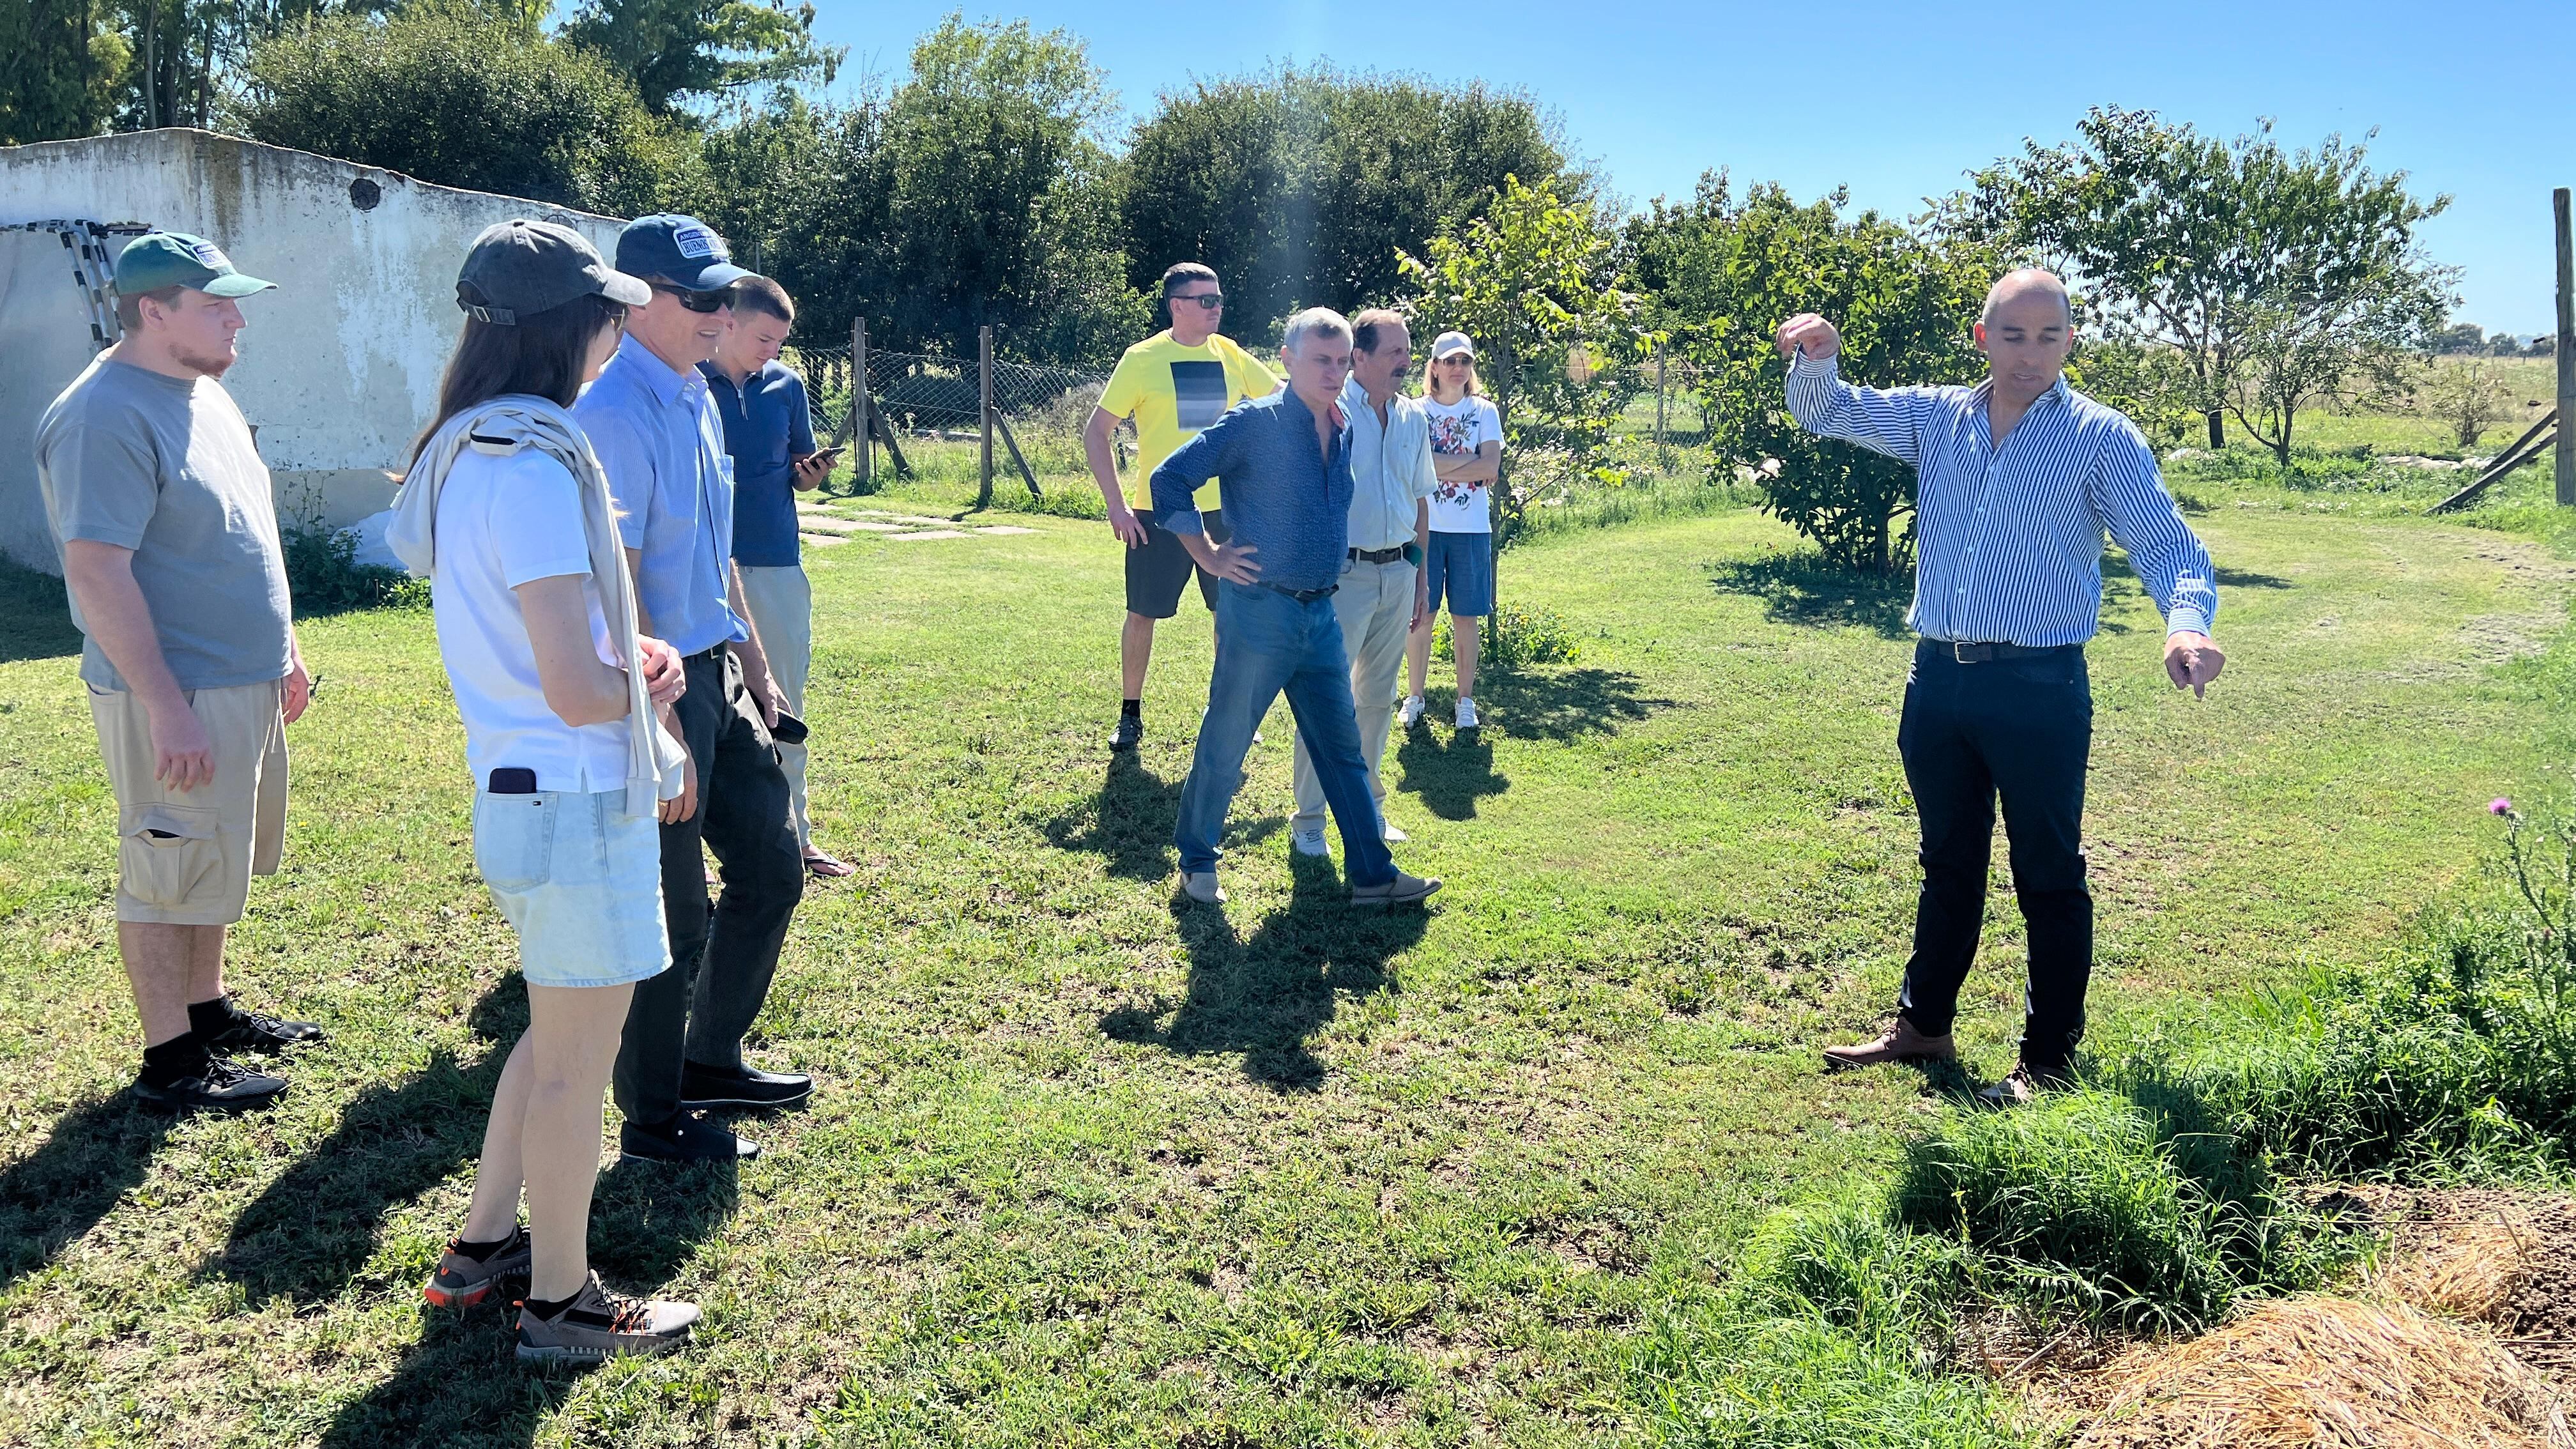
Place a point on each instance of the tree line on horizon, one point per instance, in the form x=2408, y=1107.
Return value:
x=2223, y=284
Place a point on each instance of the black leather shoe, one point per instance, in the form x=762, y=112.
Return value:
x=689, y=1137
x=222, y=1087
x=702, y=1087
x=1130, y=733
x=254, y=1031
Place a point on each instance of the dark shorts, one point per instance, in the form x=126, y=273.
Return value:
x=1158, y=572
x=1460, y=567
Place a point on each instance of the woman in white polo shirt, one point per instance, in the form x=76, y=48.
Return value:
x=1467, y=453
x=506, y=507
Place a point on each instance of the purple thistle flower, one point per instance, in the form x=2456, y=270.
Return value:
x=2499, y=806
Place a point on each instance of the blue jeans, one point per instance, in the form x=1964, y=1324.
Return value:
x=1267, y=642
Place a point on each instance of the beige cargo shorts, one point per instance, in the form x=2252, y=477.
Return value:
x=185, y=858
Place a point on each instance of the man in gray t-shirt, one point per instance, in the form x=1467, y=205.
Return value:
x=170, y=552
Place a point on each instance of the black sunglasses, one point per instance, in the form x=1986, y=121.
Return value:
x=714, y=301
x=1209, y=300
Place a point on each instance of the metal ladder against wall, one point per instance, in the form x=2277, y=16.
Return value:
x=89, y=249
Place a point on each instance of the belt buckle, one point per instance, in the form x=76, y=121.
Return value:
x=1967, y=653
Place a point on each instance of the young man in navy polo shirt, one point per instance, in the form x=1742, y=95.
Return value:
x=769, y=431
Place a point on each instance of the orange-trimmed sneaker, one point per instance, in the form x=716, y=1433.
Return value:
x=462, y=1280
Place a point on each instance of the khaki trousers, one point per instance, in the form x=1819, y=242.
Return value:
x=782, y=609
x=1375, y=606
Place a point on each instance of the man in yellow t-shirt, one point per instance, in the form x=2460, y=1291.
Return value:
x=1173, y=384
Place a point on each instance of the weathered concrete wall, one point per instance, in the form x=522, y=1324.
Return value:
x=339, y=366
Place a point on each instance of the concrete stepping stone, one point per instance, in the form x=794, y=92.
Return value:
x=1005, y=528
x=825, y=523
x=824, y=540
x=933, y=533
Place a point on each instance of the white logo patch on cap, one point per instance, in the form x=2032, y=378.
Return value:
x=697, y=241
x=211, y=256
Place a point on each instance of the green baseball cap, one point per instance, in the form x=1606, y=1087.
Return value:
x=160, y=259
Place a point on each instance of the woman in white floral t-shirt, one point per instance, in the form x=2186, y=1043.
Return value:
x=1467, y=452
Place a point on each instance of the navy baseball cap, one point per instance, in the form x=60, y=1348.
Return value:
x=682, y=249
x=520, y=267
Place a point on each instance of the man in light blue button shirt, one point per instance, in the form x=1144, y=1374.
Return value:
x=660, y=439
x=2019, y=477
x=1381, y=595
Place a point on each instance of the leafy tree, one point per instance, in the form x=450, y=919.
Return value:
x=1534, y=282
x=975, y=193
x=1299, y=186
x=61, y=62
x=464, y=97
x=1726, y=273
x=2303, y=350
x=2199, y=245
x=682, y=51
x=2461, y=337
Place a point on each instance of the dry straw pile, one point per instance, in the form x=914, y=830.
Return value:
x=2328, y=1373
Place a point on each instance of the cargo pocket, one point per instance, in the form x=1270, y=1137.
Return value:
x=168, y=851
x=514, y=839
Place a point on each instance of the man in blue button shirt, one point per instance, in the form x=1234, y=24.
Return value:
x=769, y=432
x=654, y=426
x=1287, y=467
x=2020, y=477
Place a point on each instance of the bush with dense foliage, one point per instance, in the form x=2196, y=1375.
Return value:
x=454, y=95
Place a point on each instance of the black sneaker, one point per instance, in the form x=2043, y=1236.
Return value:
x=222, y=1087
x=1129, y=734
x=254, y=1031
x=702, y=1087
x=689, y=1137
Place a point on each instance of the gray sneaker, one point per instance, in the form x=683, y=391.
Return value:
x=1404, y=890
x=463, y=1280
x=599, y=1325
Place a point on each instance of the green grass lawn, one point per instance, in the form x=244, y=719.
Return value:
x=1091, y=1167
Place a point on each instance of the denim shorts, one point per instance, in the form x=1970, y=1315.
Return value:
x=580, y=880
x=1460, y=566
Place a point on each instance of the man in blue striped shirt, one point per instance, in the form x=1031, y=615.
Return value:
x=2019, y=478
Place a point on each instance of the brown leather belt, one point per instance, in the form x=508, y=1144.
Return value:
x=1379, y=555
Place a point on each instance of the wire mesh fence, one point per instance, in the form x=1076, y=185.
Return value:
x=933, y=404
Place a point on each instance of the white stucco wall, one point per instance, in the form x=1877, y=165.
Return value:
x=339, y=366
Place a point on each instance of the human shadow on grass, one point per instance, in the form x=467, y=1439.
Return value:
x=35, y=616
x=1802, y=589
x=1562, y=703
x=1130, y=821
x=1448, y=778
x=57, y=1193
x=1265, y=995
x=460, y=1383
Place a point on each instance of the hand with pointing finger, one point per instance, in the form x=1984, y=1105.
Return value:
x=2192, y=661
x=1810, y=334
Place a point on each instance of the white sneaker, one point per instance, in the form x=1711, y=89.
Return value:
x=1201, y=886
x=1466, y=713
x=1409, y=713
x=1394, y=834
x=1309, y=842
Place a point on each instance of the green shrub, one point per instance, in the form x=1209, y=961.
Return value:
x=324, y=576
x=2086, y=1201
x=1509, y=638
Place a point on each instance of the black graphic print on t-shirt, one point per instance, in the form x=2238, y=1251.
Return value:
x=1198, y=394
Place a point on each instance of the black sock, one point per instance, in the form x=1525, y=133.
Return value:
x=547, y=1307
x=179, y=1057
x=481, y=1251
x=1131, y=709
x=210, y=1018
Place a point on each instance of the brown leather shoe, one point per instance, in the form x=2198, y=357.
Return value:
x=1902, y=1043
x=2021, y=1086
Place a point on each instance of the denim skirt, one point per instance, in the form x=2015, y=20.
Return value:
x=580, y=880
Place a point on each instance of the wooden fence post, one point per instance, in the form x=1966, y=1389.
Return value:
x=1663, y=457
x=863, y=406
x=2566, y=460
x=984, y=387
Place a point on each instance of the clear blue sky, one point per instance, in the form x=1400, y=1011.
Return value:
x=2472, y=97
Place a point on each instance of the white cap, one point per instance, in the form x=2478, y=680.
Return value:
x=1451, y=342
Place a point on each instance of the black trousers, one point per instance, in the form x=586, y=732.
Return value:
x=702, y=1007
x=2022, y=729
